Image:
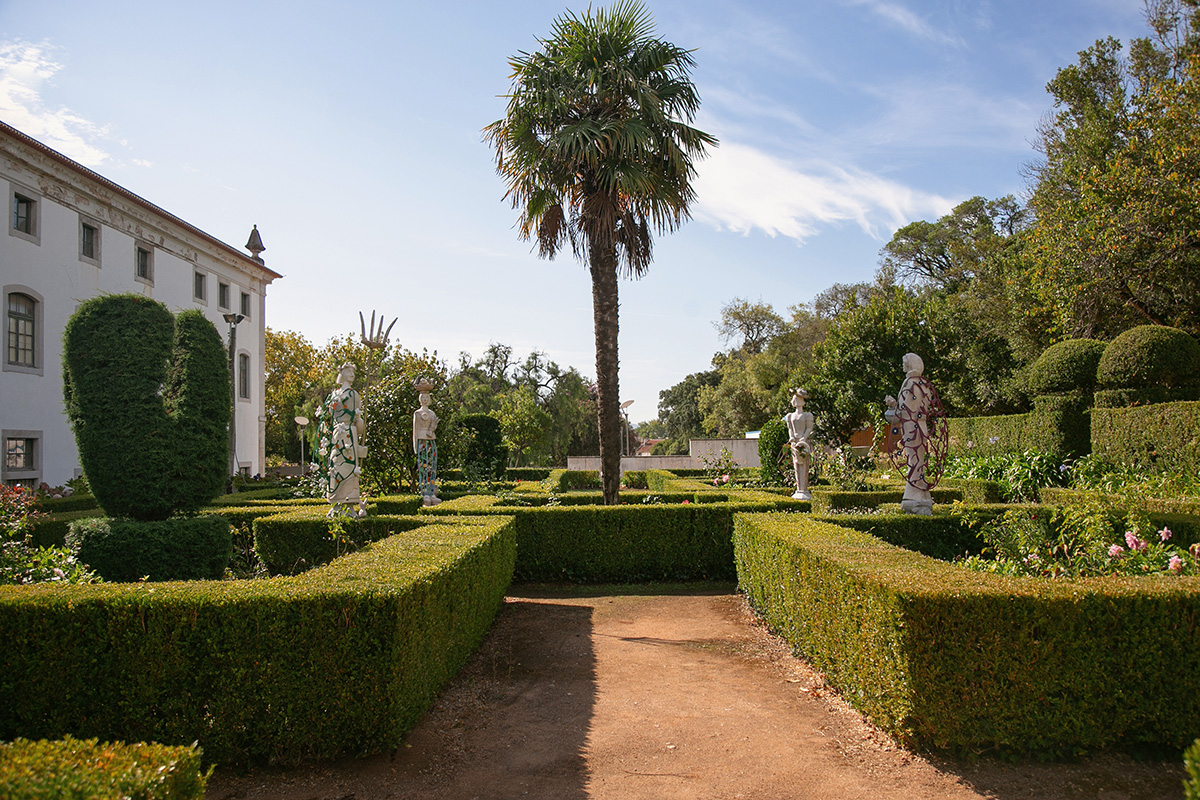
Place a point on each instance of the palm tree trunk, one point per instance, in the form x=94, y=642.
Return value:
x=605, y=316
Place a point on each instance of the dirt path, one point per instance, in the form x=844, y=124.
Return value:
x=667, y=696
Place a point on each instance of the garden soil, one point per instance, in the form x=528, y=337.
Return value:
x=614, y=696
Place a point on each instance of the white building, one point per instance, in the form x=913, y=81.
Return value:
x=71, y=234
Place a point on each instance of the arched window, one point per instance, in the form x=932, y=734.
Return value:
x=22, y=328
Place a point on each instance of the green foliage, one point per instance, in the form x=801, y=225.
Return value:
x=340, y=661
x=485, y=455
x=148, y=397
x=1115, y=199
x=679, y=409
x=1149, y=364
x=773, y=453
x=842, y=469
x=1020, y=476
x=1068, y=366
x=523, y=421
x=73, y=768
x=683, y=536
x=827, y=501
x=24, y=555
x=296, y=541
x=1058, y=424
x=945, y=657
x=179, y=549
x=1162, y=438
x=1191, y=763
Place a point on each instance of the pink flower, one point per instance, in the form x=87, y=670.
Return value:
x=1175, y=564
x=1195, y=550
x=1134, y=542
x=685, y=502
x=1115, y=551
x=1165, y=534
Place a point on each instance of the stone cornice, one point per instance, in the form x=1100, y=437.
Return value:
x=73, y=185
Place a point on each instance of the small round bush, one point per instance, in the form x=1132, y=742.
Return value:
x=1150, y=364
x=1068, y=366
x=178, y=549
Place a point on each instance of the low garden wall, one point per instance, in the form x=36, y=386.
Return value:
x=945, y=657
x=342, y=659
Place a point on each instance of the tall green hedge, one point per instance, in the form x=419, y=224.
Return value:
x=341, y=660
x=1066, y=367
x=771, y=440
x=945, y=657
x=485, y=453
x=1162, y=437
x=148, y=397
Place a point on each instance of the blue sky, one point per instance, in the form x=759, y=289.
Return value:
x=350, y=134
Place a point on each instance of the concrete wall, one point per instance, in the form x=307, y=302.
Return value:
x=50, y=268
x=744, y=452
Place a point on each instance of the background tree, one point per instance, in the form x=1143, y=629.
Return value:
x=752, y=325
x=1116, y=232
x=679, y=410
x=292, y=375
x=596, y=148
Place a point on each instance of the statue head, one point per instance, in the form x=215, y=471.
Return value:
x=346, y=373
x=913, y=366
x=798, y=398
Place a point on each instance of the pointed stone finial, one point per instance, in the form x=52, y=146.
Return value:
x=255, y=245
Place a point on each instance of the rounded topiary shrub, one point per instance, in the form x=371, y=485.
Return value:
x=1068, y=366
x=180, y=549
x=771, y=441
x=1149, y=364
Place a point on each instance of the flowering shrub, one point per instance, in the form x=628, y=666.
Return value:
x=1080, y=540
x=20, y=561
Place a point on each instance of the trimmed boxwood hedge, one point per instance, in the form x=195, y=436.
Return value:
x=1066, y=367
x=1161, y=437
x=941, y=656
x=341, y=660
x=295, y=541
x=827, y=500
x=181, y=549
x=1149, y=364
x=71, y=768
x=678, y=541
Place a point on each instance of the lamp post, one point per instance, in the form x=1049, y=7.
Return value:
x=303, y=423
x=233, y=320
x=625, y=405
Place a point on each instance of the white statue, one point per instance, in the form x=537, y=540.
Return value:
x=425, y=445
x=800, y=428
x=342, y=451
x=919, y=421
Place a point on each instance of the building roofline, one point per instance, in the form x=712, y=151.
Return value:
x=70, y=163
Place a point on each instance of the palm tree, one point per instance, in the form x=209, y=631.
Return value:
x=597, y=148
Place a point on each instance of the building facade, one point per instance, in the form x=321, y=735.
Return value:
x=70, y=235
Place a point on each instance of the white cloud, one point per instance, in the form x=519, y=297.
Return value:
x=24, y=68
x=906, y=20
x=741, y=189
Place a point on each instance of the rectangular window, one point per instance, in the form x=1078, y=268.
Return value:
x=223, y=295
x=24, y=219
x=243, y=376
x=245, y=305
x=18, y=454
x=144, y=264
x=23, y=214
x=22, y=311
x=89, y=242
x=200, y=287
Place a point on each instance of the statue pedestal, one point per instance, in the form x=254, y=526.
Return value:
x=802, y=495
x=921, y=507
